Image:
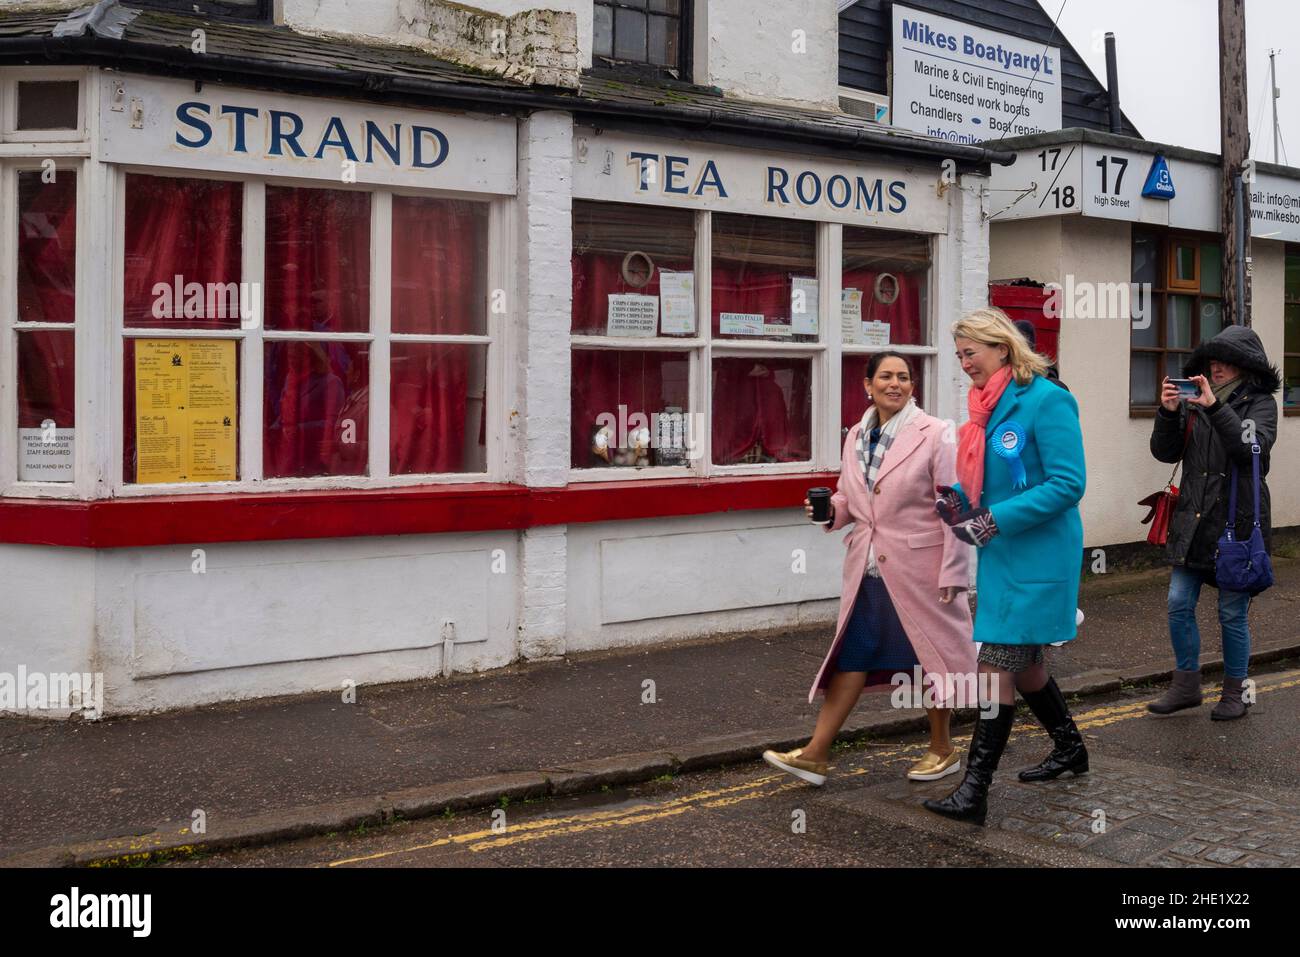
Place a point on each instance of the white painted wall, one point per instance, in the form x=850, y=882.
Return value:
x=784, y=52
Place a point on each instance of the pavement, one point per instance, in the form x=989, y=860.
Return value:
x=129, y=790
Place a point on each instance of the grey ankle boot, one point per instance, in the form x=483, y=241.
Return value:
x=1184, y=692
x=1230, y=705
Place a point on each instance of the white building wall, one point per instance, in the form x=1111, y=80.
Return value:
x=784, y=52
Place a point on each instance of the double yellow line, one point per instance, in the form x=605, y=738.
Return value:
x=544, y=828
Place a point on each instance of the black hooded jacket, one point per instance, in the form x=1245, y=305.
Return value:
x=1218, y=438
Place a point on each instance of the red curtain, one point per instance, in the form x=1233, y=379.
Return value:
x=47, y=247
x=903, y=314
x=316, y=398
x=746, y=287
x=763, y=399
x=317, y=260
x=317, y=280
x=439, y=266
x=190, y=228
x=597, y=276
x=643, y=382
x=438, y=400
x=46, y=378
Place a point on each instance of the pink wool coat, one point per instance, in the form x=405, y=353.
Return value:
x=917, y=554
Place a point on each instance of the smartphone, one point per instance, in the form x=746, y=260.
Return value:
x=1187, y=389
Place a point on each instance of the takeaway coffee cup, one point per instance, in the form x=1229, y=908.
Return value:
x=820, y=500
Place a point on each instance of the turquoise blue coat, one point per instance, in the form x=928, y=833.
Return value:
x=1028, y=578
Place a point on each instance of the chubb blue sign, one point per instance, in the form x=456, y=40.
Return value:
x=1159, y=184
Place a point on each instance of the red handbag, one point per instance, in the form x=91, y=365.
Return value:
x=1163, y=503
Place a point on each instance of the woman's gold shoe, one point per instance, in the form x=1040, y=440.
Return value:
x=932, y=767
x=814, y=772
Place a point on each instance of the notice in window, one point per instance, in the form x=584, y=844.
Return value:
x=740, y=323
x=677, y=303
x=632, y=315
x=851, y=316
x=185, y=410
x=875, y=334
x=45, y=454
x=803, y=305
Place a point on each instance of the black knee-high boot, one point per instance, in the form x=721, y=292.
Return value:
x=1068, y=752
x=970, y=801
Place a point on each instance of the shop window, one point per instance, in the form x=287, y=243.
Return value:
x=1291, y=331
x=762, y=409
x=182, y=253
x=46, y=105
x=311, y=326
x=630, y=262
x=1177, y=305
x=629, y=408
x=642, y=35
x=45, y=330
x=765, y=279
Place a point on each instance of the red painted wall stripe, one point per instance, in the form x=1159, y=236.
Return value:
x=418, y=510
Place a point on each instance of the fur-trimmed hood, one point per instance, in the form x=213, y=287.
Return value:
x=1239, y=346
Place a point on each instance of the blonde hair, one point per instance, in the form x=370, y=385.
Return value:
x=992, y=327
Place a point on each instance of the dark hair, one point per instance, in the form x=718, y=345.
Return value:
x=873, y=364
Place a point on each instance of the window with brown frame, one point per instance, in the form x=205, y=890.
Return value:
x=642, y=36
x=1177, y=304
x=1291, y=334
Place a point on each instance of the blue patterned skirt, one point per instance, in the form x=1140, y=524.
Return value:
x=874, y=639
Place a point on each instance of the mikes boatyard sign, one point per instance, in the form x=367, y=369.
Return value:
x=965, y=84
x=156, y=122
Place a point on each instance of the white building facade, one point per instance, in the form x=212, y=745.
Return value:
x=327, y=359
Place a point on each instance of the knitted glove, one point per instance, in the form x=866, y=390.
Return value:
x=975, y=527
x=948, y=504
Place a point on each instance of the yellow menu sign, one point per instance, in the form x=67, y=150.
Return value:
x=185, y=410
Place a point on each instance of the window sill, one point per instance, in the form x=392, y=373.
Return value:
x=414, y=510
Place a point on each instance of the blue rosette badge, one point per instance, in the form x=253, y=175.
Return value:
x=1009, y=443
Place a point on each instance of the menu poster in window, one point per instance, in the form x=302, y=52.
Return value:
x=851, y=316
x=677, y=303
x=803, y=305
x=633, y=315
x=185, y=410
x=875, y=334
x=45, y=454
x=740, y=323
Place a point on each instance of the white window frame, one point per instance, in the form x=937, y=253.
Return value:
x=379, y=338
x=70, y=150
x=826, y=354
x=9, y=80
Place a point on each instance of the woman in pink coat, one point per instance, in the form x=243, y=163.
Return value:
x=901, y=608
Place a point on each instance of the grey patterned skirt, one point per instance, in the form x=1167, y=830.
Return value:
x=1010, y=657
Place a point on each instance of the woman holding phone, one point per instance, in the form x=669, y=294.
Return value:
x=902, y=602
x=1231, y=384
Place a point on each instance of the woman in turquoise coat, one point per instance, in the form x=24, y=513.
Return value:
x=1021, y=475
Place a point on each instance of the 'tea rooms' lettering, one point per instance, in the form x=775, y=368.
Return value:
x=283, y=133
x=806, y=188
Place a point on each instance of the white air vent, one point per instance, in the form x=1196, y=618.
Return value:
x=869, y=106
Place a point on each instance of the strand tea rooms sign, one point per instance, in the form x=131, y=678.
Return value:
x=615, y=167
x=965, y=84
x=159, y=122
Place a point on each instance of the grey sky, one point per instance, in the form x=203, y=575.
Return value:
x=1168, y=53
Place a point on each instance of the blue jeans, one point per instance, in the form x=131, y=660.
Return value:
x=1184, y=593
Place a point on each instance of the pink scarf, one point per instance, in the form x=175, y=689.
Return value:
x=970, y=444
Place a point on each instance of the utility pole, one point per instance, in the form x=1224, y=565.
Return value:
x=1272, y=82
x=1234, y=140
